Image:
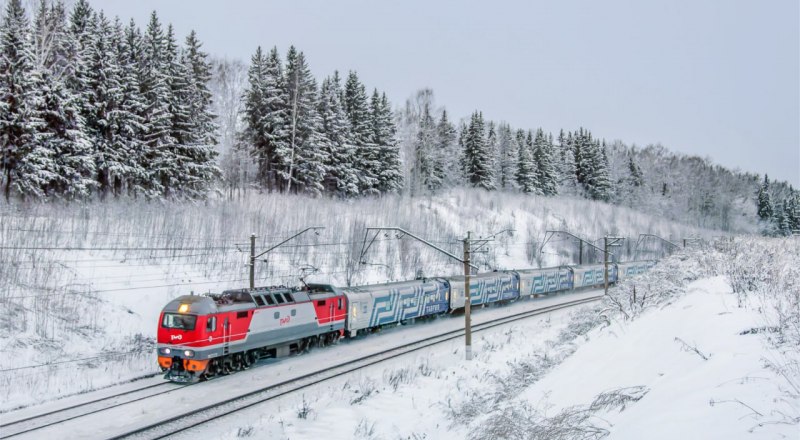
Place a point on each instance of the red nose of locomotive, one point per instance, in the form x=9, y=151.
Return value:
x=182, y=335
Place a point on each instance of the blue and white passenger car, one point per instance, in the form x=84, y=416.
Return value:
x=484, y=288
x=543, y=281
x=377, y=305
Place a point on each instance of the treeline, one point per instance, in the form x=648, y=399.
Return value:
x=91, y=106
x=332, y=139
x=496, y=156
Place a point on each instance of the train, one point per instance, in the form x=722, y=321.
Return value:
x=201, y=336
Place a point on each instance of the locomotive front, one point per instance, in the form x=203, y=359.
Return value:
x=185, y=337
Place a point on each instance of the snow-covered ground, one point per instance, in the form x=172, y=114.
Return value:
x=694, y=360
x=83, y=284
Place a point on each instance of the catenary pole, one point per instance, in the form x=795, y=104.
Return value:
x=252, y=261
x=467, y=301
x=605, y=272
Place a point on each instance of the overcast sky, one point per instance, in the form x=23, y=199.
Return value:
x=718, y=79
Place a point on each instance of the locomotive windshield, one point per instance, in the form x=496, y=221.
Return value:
x=181, y=322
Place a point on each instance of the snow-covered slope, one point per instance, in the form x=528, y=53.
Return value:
x=695, y=361
x=83, y=284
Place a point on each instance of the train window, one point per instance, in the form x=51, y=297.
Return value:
x=279, y=298
x=277, y=315
x=182, y=322
x=288, y=297
x=269, y=299
x=259, y=300
x=211, y=324
x=294, y=312
x=241, y=315
x=320, y=303
x=340, y=304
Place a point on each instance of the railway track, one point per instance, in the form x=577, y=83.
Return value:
x=194, y=415
x=20, y=426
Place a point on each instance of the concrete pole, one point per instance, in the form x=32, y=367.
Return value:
x=605, y=273
x=252, y=261
x=467, y=301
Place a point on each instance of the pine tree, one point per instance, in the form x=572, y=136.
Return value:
x=764, y=200
x=342, y=177
x=389, y=171
x=24, y=164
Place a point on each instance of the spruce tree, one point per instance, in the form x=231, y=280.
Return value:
x=103, y=93
x=635, y=178
x=62, y=137
x=446, y=146
x=478, y=165
x=367, y=154
x=129, y=117
x=160, y=145
x=389, y=171
x=306, y=160
x=526, y=174
x=492, y=150
x=764, y=200
x=546, y=179
x=507, y=156
x=265, y=117
x=425, y=174
x=567, y=168
x=341, y=178
x=24, y=164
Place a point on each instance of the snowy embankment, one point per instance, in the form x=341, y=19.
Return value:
x=708, y=348
x=82, y=285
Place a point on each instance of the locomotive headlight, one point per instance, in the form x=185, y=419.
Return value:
x=166, y=350
x=183, y=308
x=188, y=353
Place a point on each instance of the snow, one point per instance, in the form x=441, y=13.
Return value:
x=683, y=388
x=678, y=393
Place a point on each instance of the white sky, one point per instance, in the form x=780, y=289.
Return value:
x=718, y=79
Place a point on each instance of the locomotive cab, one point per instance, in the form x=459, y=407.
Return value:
x=187, y=325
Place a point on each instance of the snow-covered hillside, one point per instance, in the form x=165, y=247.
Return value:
x=83, y=284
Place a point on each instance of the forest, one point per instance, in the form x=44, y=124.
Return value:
x=91, y=108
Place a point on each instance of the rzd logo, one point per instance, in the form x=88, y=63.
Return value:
x=285, y=320
x=176, y=337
